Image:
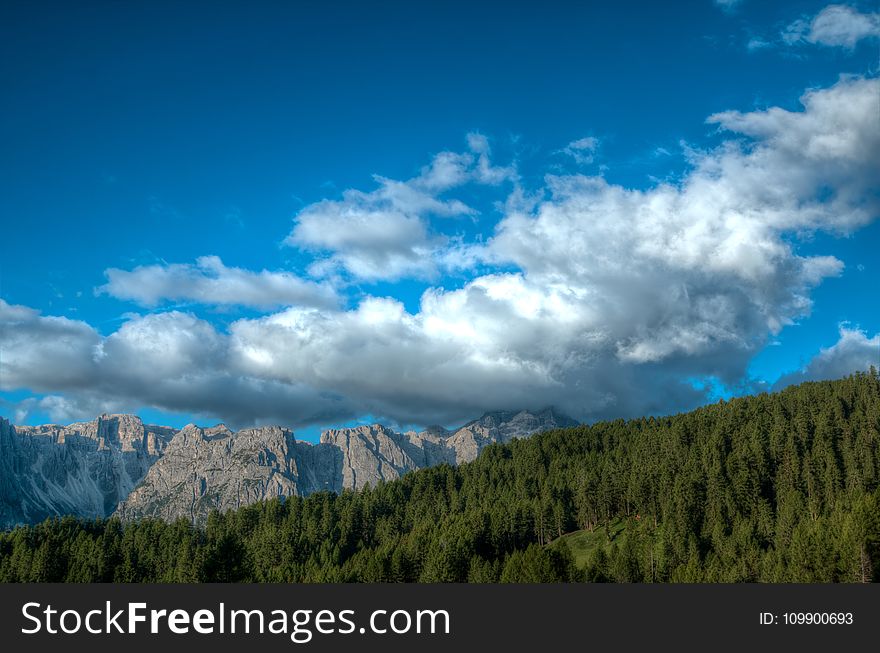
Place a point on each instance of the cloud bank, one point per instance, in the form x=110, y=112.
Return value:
x=602, y=299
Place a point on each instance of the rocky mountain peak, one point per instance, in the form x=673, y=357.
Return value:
x=363, y=430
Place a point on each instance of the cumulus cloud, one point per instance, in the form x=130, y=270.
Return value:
x=853, y=352
x=603, y=300
x=172, y=361
x=686, y=269
x=806, y=169
x=42, y=351
x=836, y=25
x=385, y=233
x=210, y=282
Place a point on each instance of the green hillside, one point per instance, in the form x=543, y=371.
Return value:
x=776, y=487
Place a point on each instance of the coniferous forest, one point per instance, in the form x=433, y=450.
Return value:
x=771, y=488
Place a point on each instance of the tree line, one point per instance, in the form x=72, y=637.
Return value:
x=778, y=487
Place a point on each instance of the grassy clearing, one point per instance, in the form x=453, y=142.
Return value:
x=584, y=544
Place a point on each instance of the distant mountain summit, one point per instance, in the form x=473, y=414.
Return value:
x=116, y=463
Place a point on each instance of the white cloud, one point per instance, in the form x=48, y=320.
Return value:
x=582, y=150
x=385, y=233
x=44, y=351
x=853, y=352
x=604, y=289
x=706, y=266
x=172, y=361
x=836, y=25
x=211, y=282
x=806, y=169
x=728, y=5
x=485, y=172
x=372, y=236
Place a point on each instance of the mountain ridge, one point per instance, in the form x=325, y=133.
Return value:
x=117, y=464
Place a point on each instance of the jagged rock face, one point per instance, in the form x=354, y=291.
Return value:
x=206, y=469
x=83, y=469
x=371, y=454
x=86, y=469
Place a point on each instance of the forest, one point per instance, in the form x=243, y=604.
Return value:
x=781, y=487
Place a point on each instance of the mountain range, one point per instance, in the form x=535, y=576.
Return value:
x=116, y=464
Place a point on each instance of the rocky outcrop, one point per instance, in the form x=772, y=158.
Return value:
x=374, y=453
x=214, y=468
x=82, y=469
x=87, y=469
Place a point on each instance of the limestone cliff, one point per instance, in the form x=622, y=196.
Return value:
x=82, y=469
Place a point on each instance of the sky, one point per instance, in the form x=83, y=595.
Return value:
x=319, y=214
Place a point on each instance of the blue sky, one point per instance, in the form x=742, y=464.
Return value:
x=143, y=137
